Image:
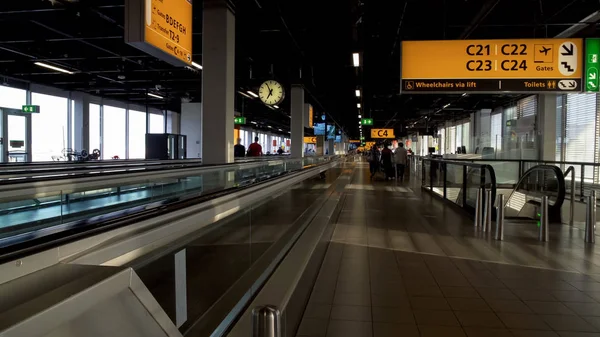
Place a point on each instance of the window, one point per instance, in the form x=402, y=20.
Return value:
x=12, y=97
x=94, y=128
x=459, y=132
x=73, y=131
x=496, y=132
x=527, y=107
x=466, y=141
x=113, y=122
x=581, y=129
x=560, y=127
x=137, y=134
x=49, y=134
x=157, y=123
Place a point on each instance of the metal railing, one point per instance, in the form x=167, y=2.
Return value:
x=458, y=182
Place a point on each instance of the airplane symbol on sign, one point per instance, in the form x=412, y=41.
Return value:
x=545, y=50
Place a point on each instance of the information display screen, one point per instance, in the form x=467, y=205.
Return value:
x=319, y=129
x=330, y=131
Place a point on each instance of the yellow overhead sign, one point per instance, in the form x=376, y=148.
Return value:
x=382, y=133
x=162, y=28
x=310, y=140
x=510, y=65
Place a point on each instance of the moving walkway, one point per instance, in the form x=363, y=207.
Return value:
x=189, y=267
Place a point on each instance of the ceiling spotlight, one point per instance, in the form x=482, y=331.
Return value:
x=275, y=106
x=279, y=129
x=359, y=116
x=447, y=105
x=197, y=65
x=48, y=66
x=355, y=60
x=155, y=95
x=253, y=122
x=358, y=105
x=357, y=92
x=464, y=94
x=252, y=93
x=270, y=127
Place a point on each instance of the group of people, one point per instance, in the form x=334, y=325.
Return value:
x=254, y=150
x=382, y=158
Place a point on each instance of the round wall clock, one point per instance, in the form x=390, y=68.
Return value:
x=271, y=92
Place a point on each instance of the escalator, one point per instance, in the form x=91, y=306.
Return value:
x=524, y=201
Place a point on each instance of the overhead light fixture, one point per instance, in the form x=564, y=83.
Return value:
x=358, y=105
x=359, y=123
x=447, y=105
x=155, y=95
x=253, y=122
x=197, y=65
x=244, y=94
x=279, y=129
x=275, y=106
x=359, y=116
x=270, y=127
x=252, y=94
x=49, y=66
x=464, y=94
x=357, y=92
x=355, y=59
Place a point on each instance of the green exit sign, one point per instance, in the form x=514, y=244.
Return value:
x=366, y=121
x=362, y=138
x=31, y=108
x=592, y=65
x=239, y=120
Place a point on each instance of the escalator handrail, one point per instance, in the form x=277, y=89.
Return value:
x=560, y=198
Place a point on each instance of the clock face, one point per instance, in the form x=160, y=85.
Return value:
x=271, y=92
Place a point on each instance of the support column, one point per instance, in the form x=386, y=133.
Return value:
x=297, y=127
x=331, y=146
x=191, y=126
x=218, y=80
x=546, y=127
x=81, y=122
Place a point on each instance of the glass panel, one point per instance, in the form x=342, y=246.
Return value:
x=73, y=124
x=137, y=134
x=12, y=97
x=17, y=138
x=114, y=132
x=94, y=127
x=49, y=127
x=157, y=123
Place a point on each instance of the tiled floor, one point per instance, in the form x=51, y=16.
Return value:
x=404, y=264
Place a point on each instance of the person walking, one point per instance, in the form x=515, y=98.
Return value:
x=255, y=150
x=239, y=150
x=401, y=158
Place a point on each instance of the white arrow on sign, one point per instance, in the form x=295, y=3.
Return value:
x=592, y=84
x=592, y=76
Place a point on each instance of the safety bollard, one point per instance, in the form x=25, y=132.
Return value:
x=266, y=322
x=544, y=235
x=500, y=218
x=479, y=208
x=590, y=218
x=487, y=217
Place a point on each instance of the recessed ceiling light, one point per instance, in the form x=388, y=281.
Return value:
x=155, y=95
x=357, y=92
x=244, y=94
x=252, y=93
x=355, y=59
x=359, y=116
x=358, y=105
x=197, y=65
x=49, y=66
x=275, y=106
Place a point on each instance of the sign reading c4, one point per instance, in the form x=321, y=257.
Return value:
x=382, y=133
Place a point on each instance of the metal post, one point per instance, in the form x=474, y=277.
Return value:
x=487, y=223
x=572, y=210
x=266, y=322
x=500, y=218
x=479, y=208
x=544, y=235
x=590, y=218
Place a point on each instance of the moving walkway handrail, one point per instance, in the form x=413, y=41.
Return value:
x=36, y=188
x=26, y=244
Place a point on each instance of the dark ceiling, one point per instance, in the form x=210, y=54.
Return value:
x=309, y=42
